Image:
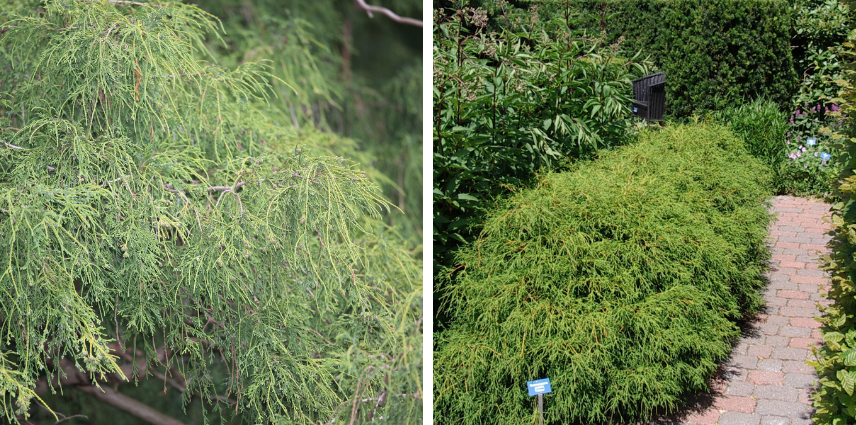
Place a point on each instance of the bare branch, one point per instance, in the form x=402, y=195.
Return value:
x=322, y=336
x=369, y=9
x=227, y=188
x=11, y=146
x=130, y=405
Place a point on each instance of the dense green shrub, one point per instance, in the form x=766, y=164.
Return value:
x=620, y=281
x=835, y=400
x=728, y=50
x=792, y=147
x=819, y=27
x=508, y=104
x=763, y=127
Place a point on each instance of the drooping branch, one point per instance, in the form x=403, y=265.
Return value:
x=369, y=9
x=130, y=405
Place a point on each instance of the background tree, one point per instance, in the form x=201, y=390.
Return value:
x=177, y=205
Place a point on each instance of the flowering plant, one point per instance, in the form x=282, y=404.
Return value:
x=810, y=164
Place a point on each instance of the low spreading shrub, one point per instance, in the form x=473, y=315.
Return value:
x=620, y=280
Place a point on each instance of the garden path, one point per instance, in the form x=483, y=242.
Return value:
x=767, y=381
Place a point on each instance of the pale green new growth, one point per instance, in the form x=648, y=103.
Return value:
x=147, y=203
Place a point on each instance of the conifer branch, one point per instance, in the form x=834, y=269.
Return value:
x=369, y=9
x=130, y=405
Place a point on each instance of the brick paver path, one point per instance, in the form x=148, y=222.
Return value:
x=767, y=381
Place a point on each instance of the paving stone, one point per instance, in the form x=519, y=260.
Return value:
x=807, y=322
x=805, y=342
x=808, y=272
x=794, y=331
x=759, y=351
x=811, y=280
x=796, y=366
x=791, y=409
x=799, y=380
x=777, y=341
x=736, y=418
x=799, y=239
x=797, y=311
x=706, y=417
x=735, y=374
x=775, y=420
x=775, y=392
x=740, y=389
x=765, y=378
x=770, y=365
x=778, y=320
x=741, y=347
x=768, y=329
x=792, y=294
x=789, y=353
x=735, y=404
x=744, y=362
x=807, y=303
x=777, y=302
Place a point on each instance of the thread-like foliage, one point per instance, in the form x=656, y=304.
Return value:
x=149, y=206
x=621, y=281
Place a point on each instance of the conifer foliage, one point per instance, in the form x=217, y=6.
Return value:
x=156, y=220
x=620, y=280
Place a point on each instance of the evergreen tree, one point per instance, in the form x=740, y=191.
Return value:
x=163, y=217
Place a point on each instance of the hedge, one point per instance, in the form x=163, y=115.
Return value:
x=620, y=280
x=715, y=52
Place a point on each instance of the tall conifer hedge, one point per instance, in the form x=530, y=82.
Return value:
x=621, y=281
x=715, y=52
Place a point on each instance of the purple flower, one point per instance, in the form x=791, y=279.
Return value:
x=788, y=141
x=789, y=134
x=803, y=149
x=805, y=165
x=792, y=156
x=799, y=137
x=817, y=154
x=835, y=107
x=799, y=154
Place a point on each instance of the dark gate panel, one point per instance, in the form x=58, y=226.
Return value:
x=649, y=94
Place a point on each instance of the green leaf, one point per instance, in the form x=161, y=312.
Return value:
x=847, y=381
x=850, y=357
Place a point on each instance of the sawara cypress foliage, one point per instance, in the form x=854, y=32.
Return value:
x=621, y=281
x=158, y=220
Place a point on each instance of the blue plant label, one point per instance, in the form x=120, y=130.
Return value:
x=811, y=142
x=825, y=156
x=635, y=110
x=540, y=386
